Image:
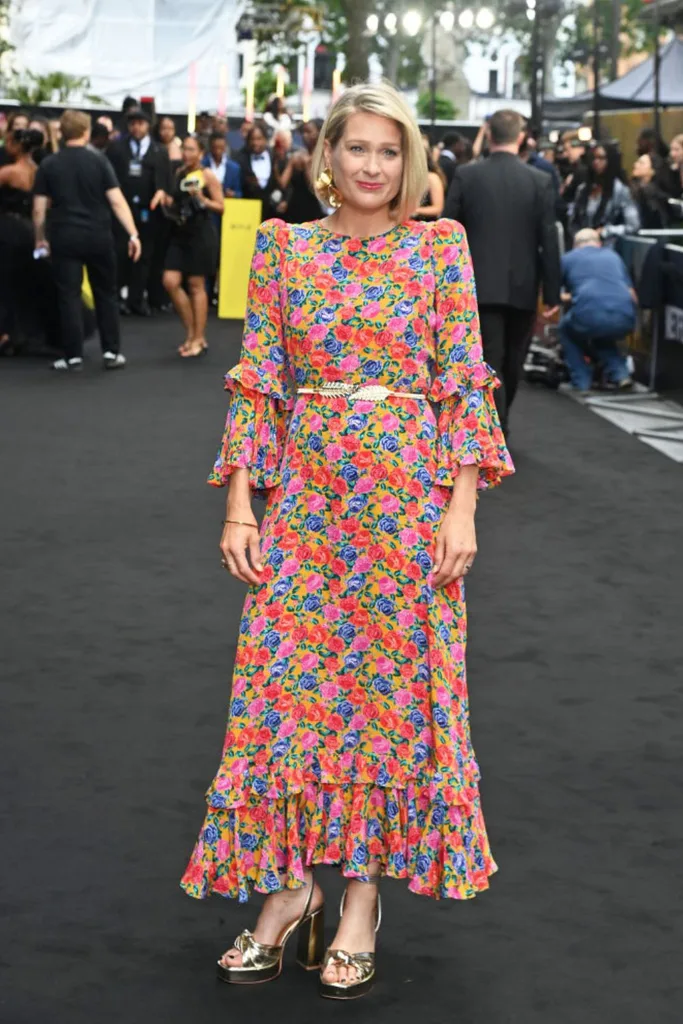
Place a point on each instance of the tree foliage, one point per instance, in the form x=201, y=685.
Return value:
x=265, y=86
x=29, y=89
x=444, y=109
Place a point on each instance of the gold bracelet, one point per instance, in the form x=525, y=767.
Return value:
x=240, y=522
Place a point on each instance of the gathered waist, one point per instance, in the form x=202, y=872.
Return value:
x=358, y=392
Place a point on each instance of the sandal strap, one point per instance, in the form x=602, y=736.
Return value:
x=362, y=963
x=256, y=954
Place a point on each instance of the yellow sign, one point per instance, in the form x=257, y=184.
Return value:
x=241, y=221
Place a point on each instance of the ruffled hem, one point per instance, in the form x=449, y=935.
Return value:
x=264, y=379
x=253, y=438
x=454, y=383
x=421, y=833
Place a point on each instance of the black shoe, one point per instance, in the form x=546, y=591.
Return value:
x=161, y=310
x=141, y=310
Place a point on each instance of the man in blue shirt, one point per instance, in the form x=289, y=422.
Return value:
x=602, y=310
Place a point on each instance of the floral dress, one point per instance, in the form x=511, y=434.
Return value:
x=348, y=736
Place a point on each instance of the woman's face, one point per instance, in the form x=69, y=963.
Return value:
x=599, y=160
x=676, y=153
x=13, y=148
x=643, y=169
x=367, y=162
x=257, y=141
x=191, y=152
x=166, y=130
x=19, y=123
x=309, y=133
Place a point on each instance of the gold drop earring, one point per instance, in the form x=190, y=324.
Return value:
x=325, y=184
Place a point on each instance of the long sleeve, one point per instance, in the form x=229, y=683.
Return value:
x=468, y=424
x=261, y=396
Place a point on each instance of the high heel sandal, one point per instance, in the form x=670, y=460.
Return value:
x=262, y=963
x=362, y=963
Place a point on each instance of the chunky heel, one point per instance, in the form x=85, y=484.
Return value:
x=311, y=941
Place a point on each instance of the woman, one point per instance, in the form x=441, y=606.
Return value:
x=431, y=204
x=166, y=134
x=275, y=116
x=192, y=253
x=27, y=299
x=302, y=202
x=48, y=145
x=651, y=198
x=603, y=201
x=348, y=741
x=676, y=167
x=259, y=176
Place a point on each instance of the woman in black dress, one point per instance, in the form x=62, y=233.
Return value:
x=432, y=203
x=27, y=299
x=302, y=203
x=648, y=182
x=192, y=253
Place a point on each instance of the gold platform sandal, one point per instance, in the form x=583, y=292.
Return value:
x=362, y=963
x=262, y=963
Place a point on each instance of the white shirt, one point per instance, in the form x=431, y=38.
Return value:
x=261, y=165
x=219, y=169
x=144, y=145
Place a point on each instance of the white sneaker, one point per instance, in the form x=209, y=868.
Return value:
x=113, y=360
x=74, y=364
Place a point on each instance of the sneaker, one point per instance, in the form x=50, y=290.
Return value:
x=63, y=365
x=113, y=360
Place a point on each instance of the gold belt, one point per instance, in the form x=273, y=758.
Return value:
x=358, y=392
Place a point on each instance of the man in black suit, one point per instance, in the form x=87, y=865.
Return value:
x=507, y=210
x=449, y=155
x=143, y=169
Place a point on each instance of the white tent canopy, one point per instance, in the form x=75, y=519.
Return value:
x=141, y=47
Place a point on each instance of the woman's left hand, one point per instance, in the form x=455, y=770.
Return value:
x=456, y=547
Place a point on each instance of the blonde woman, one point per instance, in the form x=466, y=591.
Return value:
x=348, y=741
x=676, y=166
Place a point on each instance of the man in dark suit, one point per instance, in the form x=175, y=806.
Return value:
x=507, y=210
x=449, y=155
x=143, y=169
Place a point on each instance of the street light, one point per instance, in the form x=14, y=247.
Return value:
x=391, y=23
x=466, y=19
x=372, y=23
x=485, y=18
x=447, y=20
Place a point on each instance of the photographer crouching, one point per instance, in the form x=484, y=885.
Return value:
x=192, y=254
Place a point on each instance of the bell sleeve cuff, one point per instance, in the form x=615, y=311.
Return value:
x=469, y=431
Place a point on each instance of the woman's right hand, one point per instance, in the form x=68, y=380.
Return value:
x=236, y=542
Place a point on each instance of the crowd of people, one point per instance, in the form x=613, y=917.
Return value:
x=174, y=188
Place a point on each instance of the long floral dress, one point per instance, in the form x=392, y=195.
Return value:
x=348, y=738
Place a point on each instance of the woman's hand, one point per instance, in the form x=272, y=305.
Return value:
x=456, y=547
x=236, y=541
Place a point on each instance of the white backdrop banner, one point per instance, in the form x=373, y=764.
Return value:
x=141, y=47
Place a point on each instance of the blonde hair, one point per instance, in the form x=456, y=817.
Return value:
x=678, y=139
x=74, y=124
x=383, y=100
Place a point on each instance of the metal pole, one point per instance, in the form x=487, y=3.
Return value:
x=432, y=84
x=534, y=70
x=616, y=45
x=657, y=67
x=596, y=71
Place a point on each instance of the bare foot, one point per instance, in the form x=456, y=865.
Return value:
x=182, y=349
x=356, y=931
x=279, y=911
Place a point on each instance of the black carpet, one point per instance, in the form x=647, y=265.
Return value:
x=118, y=631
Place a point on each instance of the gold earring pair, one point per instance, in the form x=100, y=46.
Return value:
x=326, y=185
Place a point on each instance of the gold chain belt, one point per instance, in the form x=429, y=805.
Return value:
x=358, y=392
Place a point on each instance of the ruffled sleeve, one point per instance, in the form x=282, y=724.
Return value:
x=261, y=395
x=468, y=424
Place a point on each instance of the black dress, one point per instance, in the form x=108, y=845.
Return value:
x=27, y=291
x=193, y=246
x=302, y=203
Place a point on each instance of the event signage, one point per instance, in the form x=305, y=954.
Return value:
x=241, y=221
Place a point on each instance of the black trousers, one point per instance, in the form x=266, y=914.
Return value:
x=135, y=275
x=70, y=253
x=505, y=333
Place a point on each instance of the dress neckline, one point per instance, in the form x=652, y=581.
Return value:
x=360, y=238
